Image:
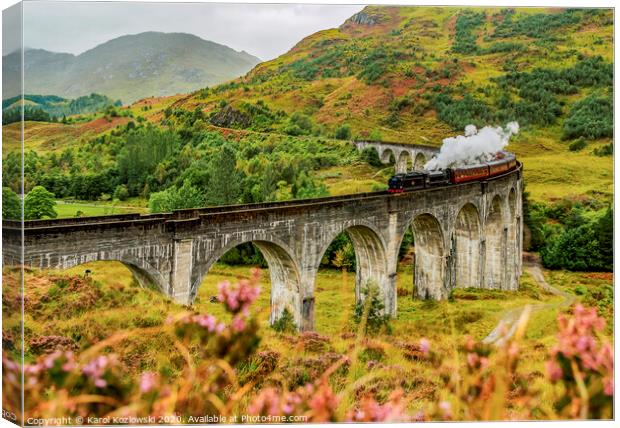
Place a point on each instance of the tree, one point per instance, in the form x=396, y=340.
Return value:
x=187, y=196
x=343, y=132
x=11, y=205
x=121, y=193
x=369, y=313
x=225, y=180
x=39, y=203
x=305, y=188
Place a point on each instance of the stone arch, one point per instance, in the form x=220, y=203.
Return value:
x=145, y=275
x=467, y=240
x=495, y=246
x=387, y=154
x=420, y=161
x=283, y=272
x=370, y=260
x=404, y=162
x=430, y=258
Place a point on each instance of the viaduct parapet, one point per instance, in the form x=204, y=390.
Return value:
x=466, y=235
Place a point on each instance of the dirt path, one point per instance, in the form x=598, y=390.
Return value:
x=507, y=325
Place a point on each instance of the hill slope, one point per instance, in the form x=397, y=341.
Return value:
x=131, y=67
x=420, y=74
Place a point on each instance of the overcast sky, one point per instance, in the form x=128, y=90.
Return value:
x=264, y=30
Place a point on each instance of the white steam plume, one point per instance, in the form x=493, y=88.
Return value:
x=475, y=147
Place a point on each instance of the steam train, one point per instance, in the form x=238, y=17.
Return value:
x=503, y=162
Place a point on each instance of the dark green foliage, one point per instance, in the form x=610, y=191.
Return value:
x=376, y=63
x=582, y=245
x=225, y=180
x=299, y=124
x=592, y=118
x=533, y=219
x=244, y=254
x=528, y=97
x=39, y=203
x=502, y=47
x=305, y=187
x=406, y=243
x=459, y=113
x=340, y=253
x=48, y=107
x=143, y=151
x=577, y=145
x=187, y=196
x=465, y=36
x=371, y=311
x=285, y=323
x=535, y=25
x=11, y=205
x=606, y=150
x=343, y=132
x=371, y=156
x=13, y=115
x=121, y=193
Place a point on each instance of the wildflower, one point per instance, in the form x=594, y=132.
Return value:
x=323, y=403
x=95, y=370
x=554, y=371
x=238, y=324
x=238, y=298
x=371, y=411
x=446, y=409
x=425, y=346
x=147, y=382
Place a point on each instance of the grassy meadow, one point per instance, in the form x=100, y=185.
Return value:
x=68, y=312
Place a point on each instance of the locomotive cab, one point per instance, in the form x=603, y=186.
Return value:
x=438, y=177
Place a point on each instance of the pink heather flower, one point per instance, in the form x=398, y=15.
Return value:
x=554, y=371
x=446, y=408
x=472, y=359
x=425, y=346
x=147, y=382
x=96, y=369
x=207, y=321
x=371, y=411
x=238, y=324
x=608, y=386
x=239, y=297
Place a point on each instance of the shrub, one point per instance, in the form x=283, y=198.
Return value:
x=591, y=118
x=343, y=132
x=121, y=193
x=371, y=156
x=577, y=145
x=285, y=323
x=606, y=150
x=369, y=314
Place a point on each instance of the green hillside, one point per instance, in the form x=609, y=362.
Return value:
x=417, y=75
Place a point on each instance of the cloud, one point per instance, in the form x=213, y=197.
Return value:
x=264, y=30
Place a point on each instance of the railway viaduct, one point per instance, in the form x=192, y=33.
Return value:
x=466, y=235
x=405, y=156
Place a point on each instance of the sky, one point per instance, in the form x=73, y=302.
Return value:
x=263, y=30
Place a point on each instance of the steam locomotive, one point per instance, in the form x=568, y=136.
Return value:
x=503, y=162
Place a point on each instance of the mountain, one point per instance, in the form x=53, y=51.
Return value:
x=129, y=67
x=419, y=74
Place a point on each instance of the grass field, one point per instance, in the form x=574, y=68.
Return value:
x=89, y=314
x=94, y=208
